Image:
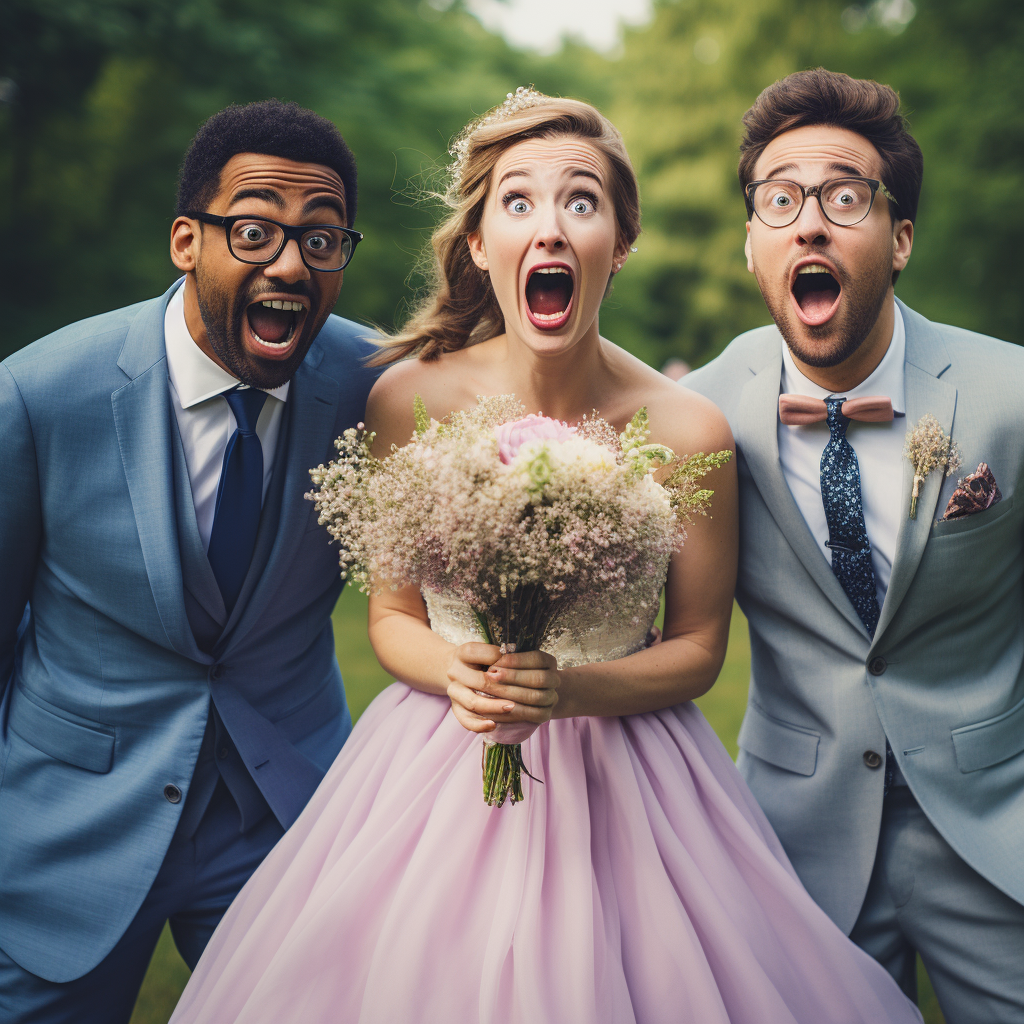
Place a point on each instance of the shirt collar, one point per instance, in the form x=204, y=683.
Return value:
x=887, y=378
x=195, y=376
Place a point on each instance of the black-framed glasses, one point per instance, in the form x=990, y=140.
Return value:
x=259, y=240
x=843, y=201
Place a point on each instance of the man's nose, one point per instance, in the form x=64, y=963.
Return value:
x=288, y=266
x=811, y=226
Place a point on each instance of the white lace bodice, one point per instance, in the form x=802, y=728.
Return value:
x=604, y=639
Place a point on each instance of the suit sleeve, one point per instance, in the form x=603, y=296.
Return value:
x=20, y=518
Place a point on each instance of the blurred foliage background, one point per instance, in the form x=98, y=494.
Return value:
x=99, y=99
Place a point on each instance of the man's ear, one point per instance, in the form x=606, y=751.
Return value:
x=746, y=250
x=477, y=250
x=902, y=243
x=185, y=243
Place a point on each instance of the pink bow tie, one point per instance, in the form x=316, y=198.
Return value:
x=797, y=410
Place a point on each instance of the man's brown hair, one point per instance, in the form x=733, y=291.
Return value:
x=821, y=97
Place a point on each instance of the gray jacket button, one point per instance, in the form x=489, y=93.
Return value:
x=172, y=793
x=876, y=666
x=873, y=759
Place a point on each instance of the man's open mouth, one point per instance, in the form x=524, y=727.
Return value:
x=274, y=325
x=549, y=290
x=816, y=293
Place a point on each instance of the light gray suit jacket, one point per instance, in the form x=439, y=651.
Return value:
x=943, y=678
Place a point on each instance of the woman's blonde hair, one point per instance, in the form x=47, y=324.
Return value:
x=460, y=306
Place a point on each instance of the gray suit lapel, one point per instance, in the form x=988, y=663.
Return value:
x=142, y=419
x=311, y=416
x=926, y=361
x=758, y=440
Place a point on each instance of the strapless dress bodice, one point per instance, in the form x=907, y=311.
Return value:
x=588, y=638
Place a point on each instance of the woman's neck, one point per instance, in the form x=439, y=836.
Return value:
x=565, y=384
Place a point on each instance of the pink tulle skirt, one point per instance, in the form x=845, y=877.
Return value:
x=640, y=882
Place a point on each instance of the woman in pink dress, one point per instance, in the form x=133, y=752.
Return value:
x=640, y=882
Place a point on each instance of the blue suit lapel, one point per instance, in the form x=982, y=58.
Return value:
x=926, y=361
x=757, y=439
x=142, y=418
x=312, y=415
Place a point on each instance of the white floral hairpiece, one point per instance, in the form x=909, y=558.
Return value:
x=524, y=97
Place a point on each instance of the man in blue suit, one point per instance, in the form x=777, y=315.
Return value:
x=170, y=693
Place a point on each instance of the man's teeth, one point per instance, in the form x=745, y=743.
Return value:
x=810, y=268
x=282, y=304
x=273, y=344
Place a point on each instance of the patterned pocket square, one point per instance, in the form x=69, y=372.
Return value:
x=973, y=494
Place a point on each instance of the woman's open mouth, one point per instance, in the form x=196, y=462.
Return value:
x=549, y=291
x=816, y=293
x=274, y=326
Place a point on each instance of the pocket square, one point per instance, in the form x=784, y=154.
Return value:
x=974, y=493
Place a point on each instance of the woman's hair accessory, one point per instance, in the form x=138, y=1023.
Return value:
x=524, y=97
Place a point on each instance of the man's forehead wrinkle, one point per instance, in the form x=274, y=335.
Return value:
x=834, y=148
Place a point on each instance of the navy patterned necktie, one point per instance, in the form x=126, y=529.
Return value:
x=240, y=496
x=847, y=534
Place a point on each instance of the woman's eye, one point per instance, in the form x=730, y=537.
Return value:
x=519, y=206
x=581, y=206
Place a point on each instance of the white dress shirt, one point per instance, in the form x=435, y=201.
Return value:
x=879, y=448
x=205, y=420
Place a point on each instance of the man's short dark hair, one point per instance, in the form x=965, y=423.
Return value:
x=821, y=97
x=269, y=127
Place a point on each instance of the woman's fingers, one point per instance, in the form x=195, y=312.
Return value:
x=474, y=723
x=477, y=654
x=525, y=660
x=479, y=704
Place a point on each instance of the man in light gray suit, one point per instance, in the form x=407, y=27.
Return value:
x=884, y=735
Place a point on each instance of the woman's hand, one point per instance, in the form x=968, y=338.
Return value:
x=488, y=688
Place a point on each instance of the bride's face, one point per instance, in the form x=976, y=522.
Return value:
x=548, y=238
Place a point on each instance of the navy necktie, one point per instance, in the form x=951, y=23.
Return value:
x=240, y=496
x=847, y=534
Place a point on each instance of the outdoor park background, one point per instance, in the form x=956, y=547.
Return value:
x=99, y=99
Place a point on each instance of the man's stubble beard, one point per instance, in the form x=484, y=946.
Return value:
x=847, y=330
x=223, y=314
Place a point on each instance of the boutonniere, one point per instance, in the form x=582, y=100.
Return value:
x=928, y=447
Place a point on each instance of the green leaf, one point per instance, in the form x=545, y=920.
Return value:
x=420, y=415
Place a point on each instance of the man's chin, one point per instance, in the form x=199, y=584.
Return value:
x=822, y=346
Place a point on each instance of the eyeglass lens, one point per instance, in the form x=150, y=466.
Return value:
x=845, y=201
x=260, y=241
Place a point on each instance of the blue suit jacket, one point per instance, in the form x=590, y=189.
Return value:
x=106, y=695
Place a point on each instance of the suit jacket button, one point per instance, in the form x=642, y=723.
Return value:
x=877, y=666
x=216, y=672
x=172, y=793
x=222, y=753
x=873, y=759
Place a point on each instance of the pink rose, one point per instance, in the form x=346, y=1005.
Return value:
x=512, y=436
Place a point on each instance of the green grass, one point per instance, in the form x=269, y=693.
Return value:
x=723, y=707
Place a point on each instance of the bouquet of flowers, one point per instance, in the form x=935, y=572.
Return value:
x=523, y=518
